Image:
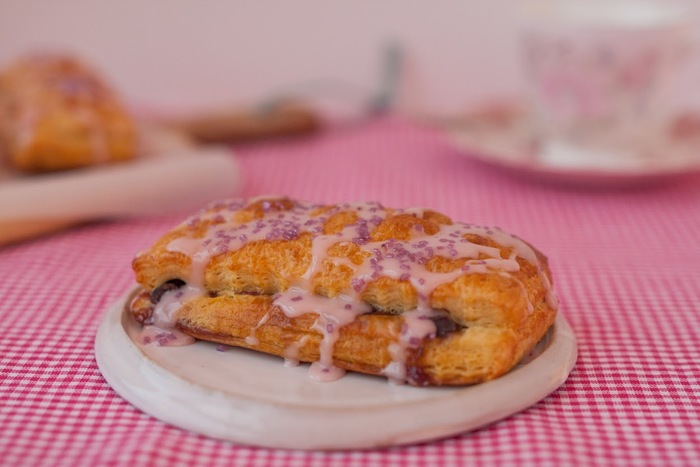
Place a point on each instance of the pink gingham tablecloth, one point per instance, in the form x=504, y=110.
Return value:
x=626, y=265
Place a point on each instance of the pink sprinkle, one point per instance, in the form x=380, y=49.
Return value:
x=348, y=306
x=329, y=328
x=221, y=348
x=297, y=298
x=357, y=285
x=405, y=277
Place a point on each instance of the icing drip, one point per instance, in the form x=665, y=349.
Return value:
x=291, y=352
x=400, y=260
x=333, y=313
x=159, y=329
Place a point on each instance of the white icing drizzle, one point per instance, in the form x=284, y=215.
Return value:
x=291, y=352
x=333, y=313
x=400, y=260
x=159, y=329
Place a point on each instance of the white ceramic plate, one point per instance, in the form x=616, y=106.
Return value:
x=252, y=398
x=504, y=136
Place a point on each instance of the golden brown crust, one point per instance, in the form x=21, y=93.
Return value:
x=500, y=308
x=468, y=356
x=56, y=113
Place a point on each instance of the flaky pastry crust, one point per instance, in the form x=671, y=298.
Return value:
x=56, y=114
x=429, y=301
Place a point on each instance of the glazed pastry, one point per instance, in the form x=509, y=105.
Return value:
x=56, y=113
x=404, y=293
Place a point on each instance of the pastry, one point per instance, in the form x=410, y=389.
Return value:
x=56, y=113
x=404, y=293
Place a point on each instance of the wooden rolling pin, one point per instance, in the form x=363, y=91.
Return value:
x=231, y=126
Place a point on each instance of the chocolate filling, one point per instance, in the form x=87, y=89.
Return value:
x=443, y=325
x=172, y=284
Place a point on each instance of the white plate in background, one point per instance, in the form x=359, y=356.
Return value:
x=503, y=136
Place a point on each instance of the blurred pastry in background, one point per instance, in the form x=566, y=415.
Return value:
x=57, y=113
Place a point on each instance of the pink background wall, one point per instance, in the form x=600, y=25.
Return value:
x=181, y=54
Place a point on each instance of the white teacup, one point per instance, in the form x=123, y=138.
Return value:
x=600, y=76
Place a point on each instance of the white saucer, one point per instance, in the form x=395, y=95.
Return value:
x=504, y=136
x=251, y=398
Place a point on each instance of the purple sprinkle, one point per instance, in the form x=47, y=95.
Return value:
x=405, y=266
x=221, y=348
x=418, y=227
x=297, y=298
x=405, y=277
x=329, y=328
x=421, y=281
x=348, y=306
x=357, y=285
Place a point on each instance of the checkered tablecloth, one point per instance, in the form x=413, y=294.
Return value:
x=626, y=265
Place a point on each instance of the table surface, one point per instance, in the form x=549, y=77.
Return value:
x=626, y=265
